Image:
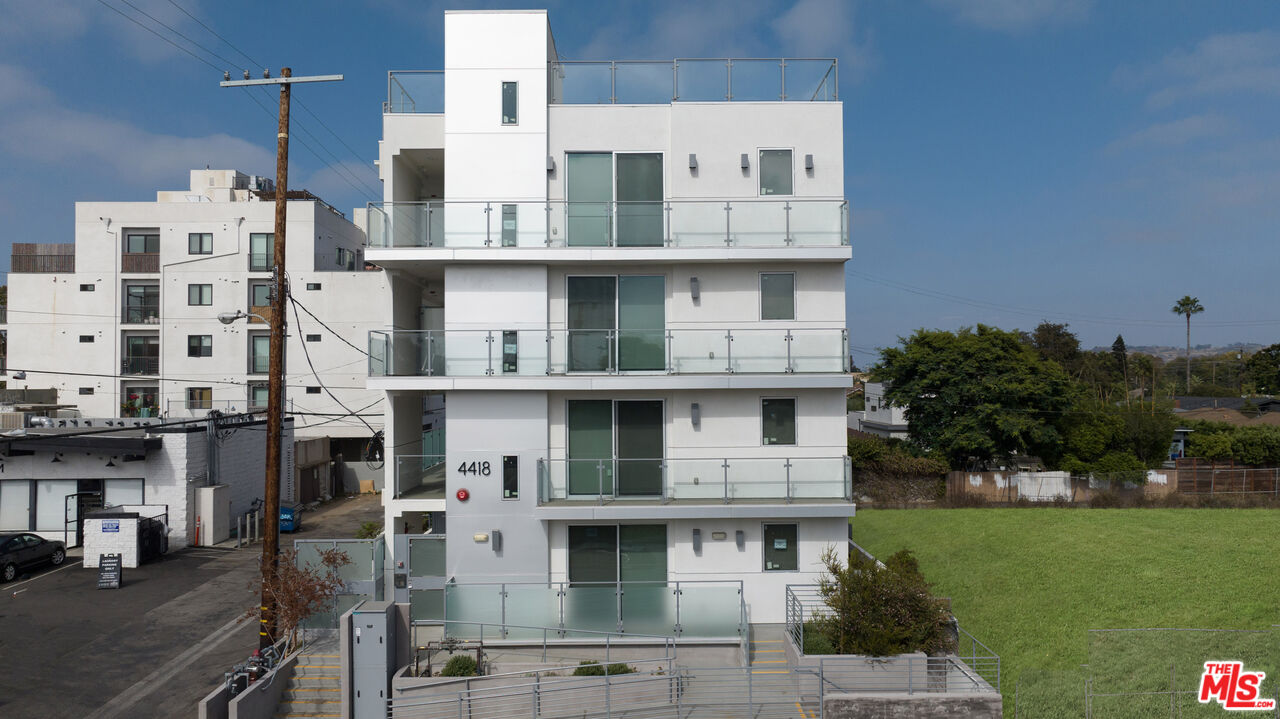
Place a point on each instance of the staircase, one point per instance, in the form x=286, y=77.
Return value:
x=315, y=688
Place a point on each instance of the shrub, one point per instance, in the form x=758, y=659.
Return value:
x=369, y=530
x=459, y=665
x=588, y=668
x=881, y=611
x=815, y=640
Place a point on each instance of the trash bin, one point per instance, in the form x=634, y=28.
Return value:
x=290, y=517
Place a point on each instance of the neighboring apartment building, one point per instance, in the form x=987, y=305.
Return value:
x=123, y=322
x=620, y=288
x=879, y=416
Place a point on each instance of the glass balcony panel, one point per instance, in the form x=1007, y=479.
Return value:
x=695, y=479
x=810, y=80
x=589, y=477
x=590, y=350
x=642, y=350
x=758, y=223
x=309, y=553
x=760, y=351
x=426, y=556
x=472, y=354
x=702, y=80
x=817, y=351
x=643, y=83
x=757, y=478
x=420, y=476
x=415, y=91
x=593, y=608
x=475, y=603
x=817, y=477
x=709, y=610
x=757, y=80
x=532, y=606
x=426, y=604
x=816, y=223
x=584, y=83
x=699, y=351
x=360, y=554
x=698, y=223
x=648, y=608
x=470, y=224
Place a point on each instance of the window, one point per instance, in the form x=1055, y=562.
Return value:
x=508, y=225
x=618, y=553
x=313, y=286
x=777, y=296
x=86, y=390
x=510, y=477
x=258, y=392
x=259, y=295
x=141, y=304
x=259, y=353
x=117, y=492
x=313, y=338
x=199, y=345
x=775, y=172
x=142, y=242
x=780, y=553
x=313, y=390
x=88, y=288
x=199, y=294
x=261, y=251
x=199, y=398
x=617, y=323
x=778, y=421
x=510, y=100
x=86, y=339
x=510, y=352
x=142, y=354
x=200, y=243
x=15, y=504
x=628, y=435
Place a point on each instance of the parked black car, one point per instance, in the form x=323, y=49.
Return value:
x=19, y=551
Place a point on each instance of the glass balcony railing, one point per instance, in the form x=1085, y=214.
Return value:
x=727, y=480
x=419, y=476
x=703, y=610
x=557, y=223
x=488, y=353
x=414, y=92
x=645, y=82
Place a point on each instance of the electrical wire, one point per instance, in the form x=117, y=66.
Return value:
x=307, y=354
x=228, y=43
x=133, y=20
x=297, y=304
x=179, y=34
x=158, y=378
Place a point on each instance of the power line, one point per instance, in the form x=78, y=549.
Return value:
x=253, y=62
x=157, y=378
x=333, y=332
x=179, y=34
x=341, y=165
x=307, y=354
x=162, y=37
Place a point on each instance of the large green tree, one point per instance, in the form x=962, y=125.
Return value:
x=1188, y=306
x=1264, y=369
x=1055, y=342
x=978, y=395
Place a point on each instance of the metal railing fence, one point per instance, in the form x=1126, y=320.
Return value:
x=739, y=222
x=414, y=91
x=694, y=80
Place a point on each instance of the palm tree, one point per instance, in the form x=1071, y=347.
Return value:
x=1188, y=306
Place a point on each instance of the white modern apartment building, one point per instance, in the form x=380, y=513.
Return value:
x=124, y=321
x=620, y=289
x=881, y=418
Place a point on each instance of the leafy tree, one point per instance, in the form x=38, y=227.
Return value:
x=1121, y=355
x=1057, y=343
x=1264, y=369
x=1188, y=306
x=1209, y=446
x=1105, y=439
x=876, y=456
x=881, y=611
x=975, y=395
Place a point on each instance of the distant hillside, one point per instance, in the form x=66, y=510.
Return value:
x=1168, y=353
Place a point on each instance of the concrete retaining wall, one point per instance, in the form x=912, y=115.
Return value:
x=261, y=698
x=916, y=706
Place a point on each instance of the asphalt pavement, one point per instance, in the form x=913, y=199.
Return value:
x=154, y=647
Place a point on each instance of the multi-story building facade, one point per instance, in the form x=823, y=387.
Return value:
x=124, y=321
x=879, y=416
x=620, y=288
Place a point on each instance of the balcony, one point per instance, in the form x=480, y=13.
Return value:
x=30, y=257
x=760, y=480
x=419, y=476
x=143, y=313
x=140, y=262
x=145, y=365
x=531, y=353
x=557, y=223
x=414, y=92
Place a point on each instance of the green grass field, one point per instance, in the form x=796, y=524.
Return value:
x=1030, y=583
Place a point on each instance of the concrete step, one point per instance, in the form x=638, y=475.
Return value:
x=314, y=659
x=316, y=670
x=308, y=707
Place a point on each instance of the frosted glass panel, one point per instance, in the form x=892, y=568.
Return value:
x=479, y=604
x=51, y=504
x=122, y=491
x=532, y=606
x=649, y=609
x=15, y=505
x=593, y=608
x=426, y=557
x=709, y=611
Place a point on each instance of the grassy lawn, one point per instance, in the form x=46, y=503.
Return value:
x=1030, y=583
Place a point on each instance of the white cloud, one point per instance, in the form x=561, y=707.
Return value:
x=1237, y=63
x=34, y=126
x=1175, y=133
x=1018, y=16
x=333, y=182
x=43, y=21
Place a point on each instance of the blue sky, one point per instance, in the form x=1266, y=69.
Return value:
x=1006, y=161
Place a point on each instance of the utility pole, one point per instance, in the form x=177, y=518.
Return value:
x=275, y=386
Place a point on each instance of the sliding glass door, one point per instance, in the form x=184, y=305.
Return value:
x=617, y=323
x=618, y=553
x=589, y=190
x=615, y=445
x=639, y=188
x=593, y=180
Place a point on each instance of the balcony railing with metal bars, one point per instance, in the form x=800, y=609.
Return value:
x=140, y=314
x=748, y=223
x=140, y=365
x=709, y=479
x=492, y=353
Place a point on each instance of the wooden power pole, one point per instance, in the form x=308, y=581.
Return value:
x=275, y=386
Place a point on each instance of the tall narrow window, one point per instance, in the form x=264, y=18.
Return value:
x=510, y=100
x=777, y=296
x=199, y=294
x=778, y=420
x=775, y=172
x=508, y=225
x=200, y=243
x=510, y=352
x=259, y=353
x=257, y=396
x=510, y=477
x=261, y=251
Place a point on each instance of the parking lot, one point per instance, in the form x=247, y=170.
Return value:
x=152, y=648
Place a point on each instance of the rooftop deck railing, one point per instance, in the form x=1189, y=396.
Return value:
x=659, y=82
x=414, y=92
x=542, y=352
x=747, y=222
x=711, y=479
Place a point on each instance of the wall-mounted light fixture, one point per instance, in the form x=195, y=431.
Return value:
x=551, y=164
x=746, y=161
x=480, y=537
x=697, y=541
x=496, y=537
x=719, y=536
x=808, y=162
x=740, y=537
x=693, y=161
x=57, y=457
x=695, y=288
x=695, y=415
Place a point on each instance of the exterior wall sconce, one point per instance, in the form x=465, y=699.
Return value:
x=693, y=161
x=496, y=537
x=480, y=537
x=740, y=537
x=697, y=541
x=551, y=164
x=746, y=161
x=808, y=162
x=695, y=288
x=695, y=415
x=719, y=536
